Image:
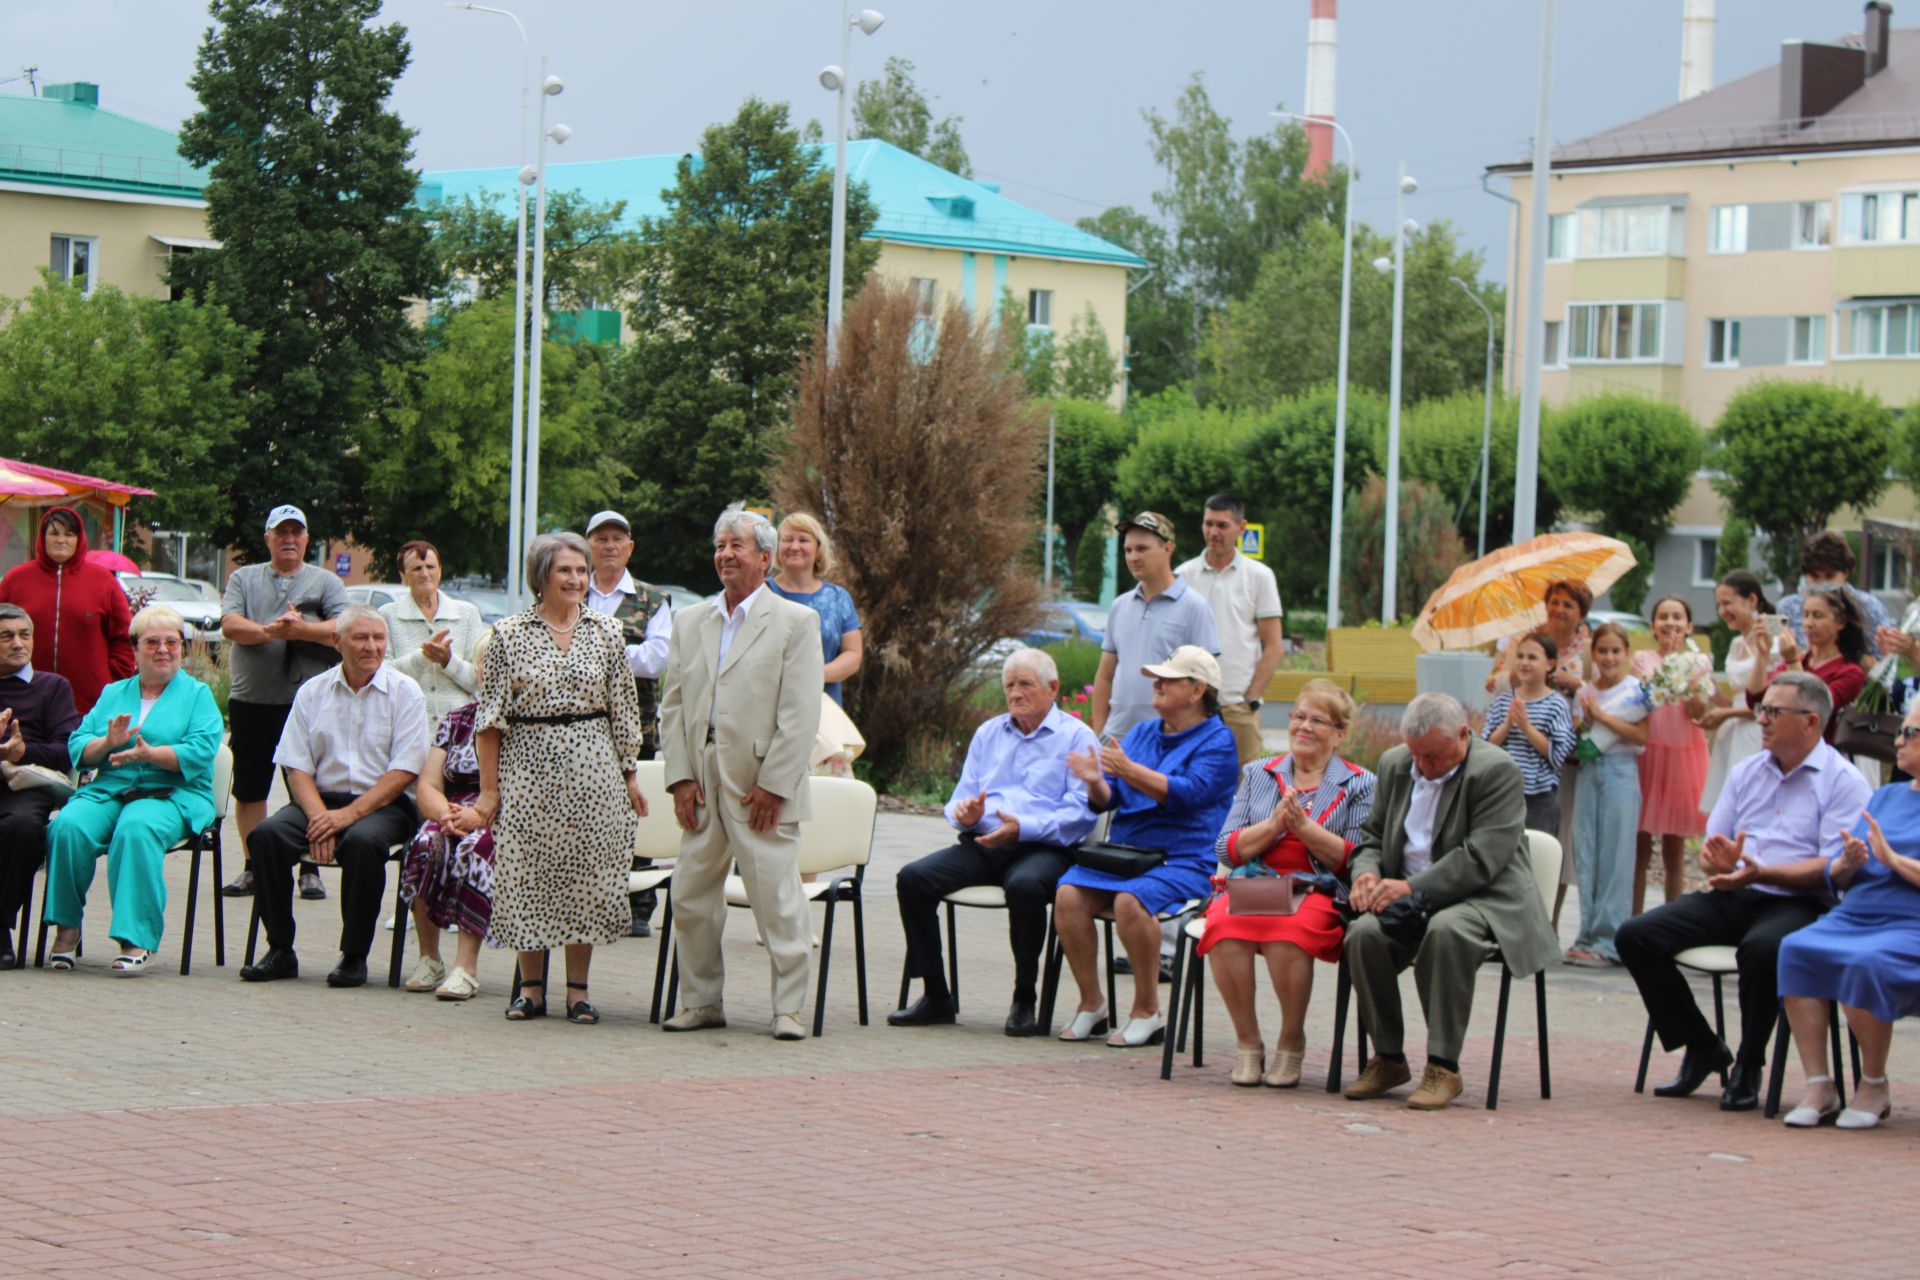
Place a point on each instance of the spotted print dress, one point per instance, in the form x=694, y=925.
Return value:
x=570, y=725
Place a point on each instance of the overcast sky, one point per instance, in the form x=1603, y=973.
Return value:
x=1051, y=91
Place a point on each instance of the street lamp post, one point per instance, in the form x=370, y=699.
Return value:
x=1486, y=426
x=835, y=78
x=516, y=483
x=549, y=87
x=1340, y=394
x=1526, y=462
x=1389, y=598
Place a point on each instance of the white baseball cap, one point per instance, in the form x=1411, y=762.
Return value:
x=608, y=517
x=1188, y=662
x=284, y=512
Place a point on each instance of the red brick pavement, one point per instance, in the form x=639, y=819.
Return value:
x=1083, y=1166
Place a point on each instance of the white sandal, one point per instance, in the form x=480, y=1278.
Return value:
x=1805, y=1117
x=1139, y=1031
x=126, y=965
x=1086, y=1024
x=1854, y=1118
x=460, y=985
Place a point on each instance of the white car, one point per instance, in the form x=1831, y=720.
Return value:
x=196, y=602
x=377, y=594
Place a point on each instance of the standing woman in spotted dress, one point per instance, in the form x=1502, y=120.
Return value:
x=558, y=736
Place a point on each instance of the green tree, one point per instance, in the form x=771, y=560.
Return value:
x=1159, y=315
x=437, y=462
x=591, y=260
x=144, y=390
x=1084, y=365
x=1089, y=439
x=731, y=288
x=1430, y=548
x=1628, y=461
x=1734, y=549
x=894, y=110
x=1440, y=446
x=311, y=192
x=1790, y=454
x=1178, y=461
x=1031, y=350
x=1284, y=472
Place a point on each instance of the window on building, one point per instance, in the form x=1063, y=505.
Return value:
x=1553, y=352
x=1723, y=344
x=1812, y=224
x=1888, y=570
x=1706, y=555
x=1614, y=331
x=1040, y=308
x=1807, y=340
x=926, y=293
x=1560, y=237
x=1879, y=217
x=76, y=259
x=1631, y=231
x=1727, y=231
x=1882, y=331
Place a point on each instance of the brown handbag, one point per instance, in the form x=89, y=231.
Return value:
x=1865, y=733
x=1261, y=895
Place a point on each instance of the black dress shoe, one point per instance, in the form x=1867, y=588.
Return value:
x=350, y=972
x=924, y=1012
x=279, y=962
x=1166, y=969
x=640, y=928
x=1695, y=1066
x=1020, y=1019
x=1123, y=964
x=1742, y=1092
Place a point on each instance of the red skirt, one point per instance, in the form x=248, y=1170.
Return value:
x=1314, y=927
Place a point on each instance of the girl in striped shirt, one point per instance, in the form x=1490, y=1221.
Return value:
x=1535, y=725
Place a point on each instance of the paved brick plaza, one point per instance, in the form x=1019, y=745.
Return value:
x=196, y=1127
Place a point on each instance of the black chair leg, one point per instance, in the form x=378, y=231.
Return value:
x=1540, y=1010
x=666, y=946
x=1854, y=1046
x=1720, y=1017
x=1197, y=997
x=953, y=958
x=1646, y=1056
x=40, y=946
x=1499, y=1038
x=906, y=983
x=193, y=896
x=826, y=961
x=1777, y=1074
x=1049, y=978
x=1169, y=1039
x=253, y=926
x=1113, y=982
x=1833, y=1033
x=860, y=947
x=219, y=909
x=399, y=954
x=1342, y=992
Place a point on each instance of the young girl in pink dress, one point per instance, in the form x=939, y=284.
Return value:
x=1673, y=768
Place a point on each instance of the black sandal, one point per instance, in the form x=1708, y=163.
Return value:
x=580, y=1011
x=522, y=1008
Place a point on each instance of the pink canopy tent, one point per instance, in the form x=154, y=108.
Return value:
x=26, y=489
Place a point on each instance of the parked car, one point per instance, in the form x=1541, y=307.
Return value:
x=1628, y=622
x=1069, y=620
x=493, y=605
x=377, y=594
x=192, y=599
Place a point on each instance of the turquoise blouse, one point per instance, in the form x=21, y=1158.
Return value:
x=185, y=718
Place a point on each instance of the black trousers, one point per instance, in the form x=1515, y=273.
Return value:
x=1027, y=872
x=280, y=843
x=23, y=845
x=1746, y=919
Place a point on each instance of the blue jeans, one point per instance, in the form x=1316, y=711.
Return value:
x=1604, y=822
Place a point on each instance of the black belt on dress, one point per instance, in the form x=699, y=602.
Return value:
x=564, y=717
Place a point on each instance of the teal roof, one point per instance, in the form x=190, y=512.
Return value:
x=71, y=144
x=917, y=202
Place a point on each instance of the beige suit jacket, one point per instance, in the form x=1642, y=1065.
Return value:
x=765, y=701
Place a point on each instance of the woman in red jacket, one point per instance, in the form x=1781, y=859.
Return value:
x=79, y=611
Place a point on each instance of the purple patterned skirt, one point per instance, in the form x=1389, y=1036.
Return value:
x=452, y=875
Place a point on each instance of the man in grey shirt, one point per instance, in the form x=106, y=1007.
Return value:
x=279, y=618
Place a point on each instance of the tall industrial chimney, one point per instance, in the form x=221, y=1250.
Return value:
x=1322, y=45
x=1696, y=48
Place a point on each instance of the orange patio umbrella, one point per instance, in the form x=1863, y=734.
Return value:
x=1505, y=593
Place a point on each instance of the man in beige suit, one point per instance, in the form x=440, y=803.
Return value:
x=738, y=720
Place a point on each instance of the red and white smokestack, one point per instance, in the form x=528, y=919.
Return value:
x=1696, y=48
x=1322, y=45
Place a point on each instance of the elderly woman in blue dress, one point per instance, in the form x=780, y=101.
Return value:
x=1865, y=953
x=1169, y=783
x=153, y=738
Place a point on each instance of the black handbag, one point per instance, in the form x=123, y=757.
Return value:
x=1865, y=733
x=1405, y=920
x=1123, y=860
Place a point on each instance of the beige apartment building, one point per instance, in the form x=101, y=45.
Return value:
x=1766, y=228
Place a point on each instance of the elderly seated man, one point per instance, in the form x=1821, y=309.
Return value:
x=1441, y=877
x=1019, y=812
x=1791, y=801
x=354, y=743
x=36, y=717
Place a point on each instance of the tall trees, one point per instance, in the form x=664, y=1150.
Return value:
x=311, y=192
x=590, y=258
x=1628, y=461
x=894, y=110
x=728, y=293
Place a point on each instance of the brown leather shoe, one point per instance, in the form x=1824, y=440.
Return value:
x=1438, y=1088
x=1380, y=1076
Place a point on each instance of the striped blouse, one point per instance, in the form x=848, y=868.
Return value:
x=1340, y=803
x=1549, y=714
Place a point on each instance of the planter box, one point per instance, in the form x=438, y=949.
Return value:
x=1378, y=650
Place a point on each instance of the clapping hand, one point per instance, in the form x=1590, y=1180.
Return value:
x=967, y=813
x=438, y=649
x=1113, y=760
x=13, y=749
x=119, y=732
x=281, y=628
x=1853, y=856
x=1517, y=713
x=138, y=753
x=1006, y=833
x=1083, y=765
x=1877, y=842
x=1292, y=814
x=1743, y=873
x=1719, y=855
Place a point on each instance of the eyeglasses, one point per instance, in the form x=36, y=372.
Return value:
x=1906, y=733
x=1767, y=712
x=1305, y=717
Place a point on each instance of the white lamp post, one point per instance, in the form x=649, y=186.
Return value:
x=517, y=451
x=1526, y=462
x=1402, y=228
x=1340, y=394
x=1486, y=426
x=835, y=79
x=549, y=87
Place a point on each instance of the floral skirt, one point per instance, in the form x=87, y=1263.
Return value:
x=452, y=875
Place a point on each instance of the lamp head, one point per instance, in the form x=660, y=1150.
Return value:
x=1408, y=185
x=553, y=86
x=1411, y=226
x=832, y=79
x=528, y=175
x=1383, y=265
x=559, y=133
x=869, y=20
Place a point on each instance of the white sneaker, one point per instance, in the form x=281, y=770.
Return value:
x=701, y=1019
x=428, y=973
x=786, y=1026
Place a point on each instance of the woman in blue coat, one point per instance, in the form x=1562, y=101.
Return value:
x=1169, y=784
x=153, y=737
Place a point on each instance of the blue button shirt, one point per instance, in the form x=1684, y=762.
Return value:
x=1142, y=632
x=1026, y=774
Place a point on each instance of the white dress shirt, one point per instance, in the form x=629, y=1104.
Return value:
x=1422, y=812
x=346, y=740
x=646, y=660
x=728, y=630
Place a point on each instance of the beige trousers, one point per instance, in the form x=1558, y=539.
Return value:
x=767, y=865
x=1245, y=723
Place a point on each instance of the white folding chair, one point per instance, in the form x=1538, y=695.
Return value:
x=1544, y=853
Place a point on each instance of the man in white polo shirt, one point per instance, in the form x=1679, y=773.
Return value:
x=1246, y=612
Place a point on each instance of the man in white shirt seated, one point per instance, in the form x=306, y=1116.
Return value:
x=355, y=740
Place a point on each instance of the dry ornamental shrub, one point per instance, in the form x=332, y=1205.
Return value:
x=920, y=453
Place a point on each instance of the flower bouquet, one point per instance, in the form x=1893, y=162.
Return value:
x=1680, y=676
x=1623, y=702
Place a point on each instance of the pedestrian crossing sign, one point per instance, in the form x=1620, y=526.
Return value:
x=1253, y=541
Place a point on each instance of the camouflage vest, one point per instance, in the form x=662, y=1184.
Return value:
x=634, y=613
